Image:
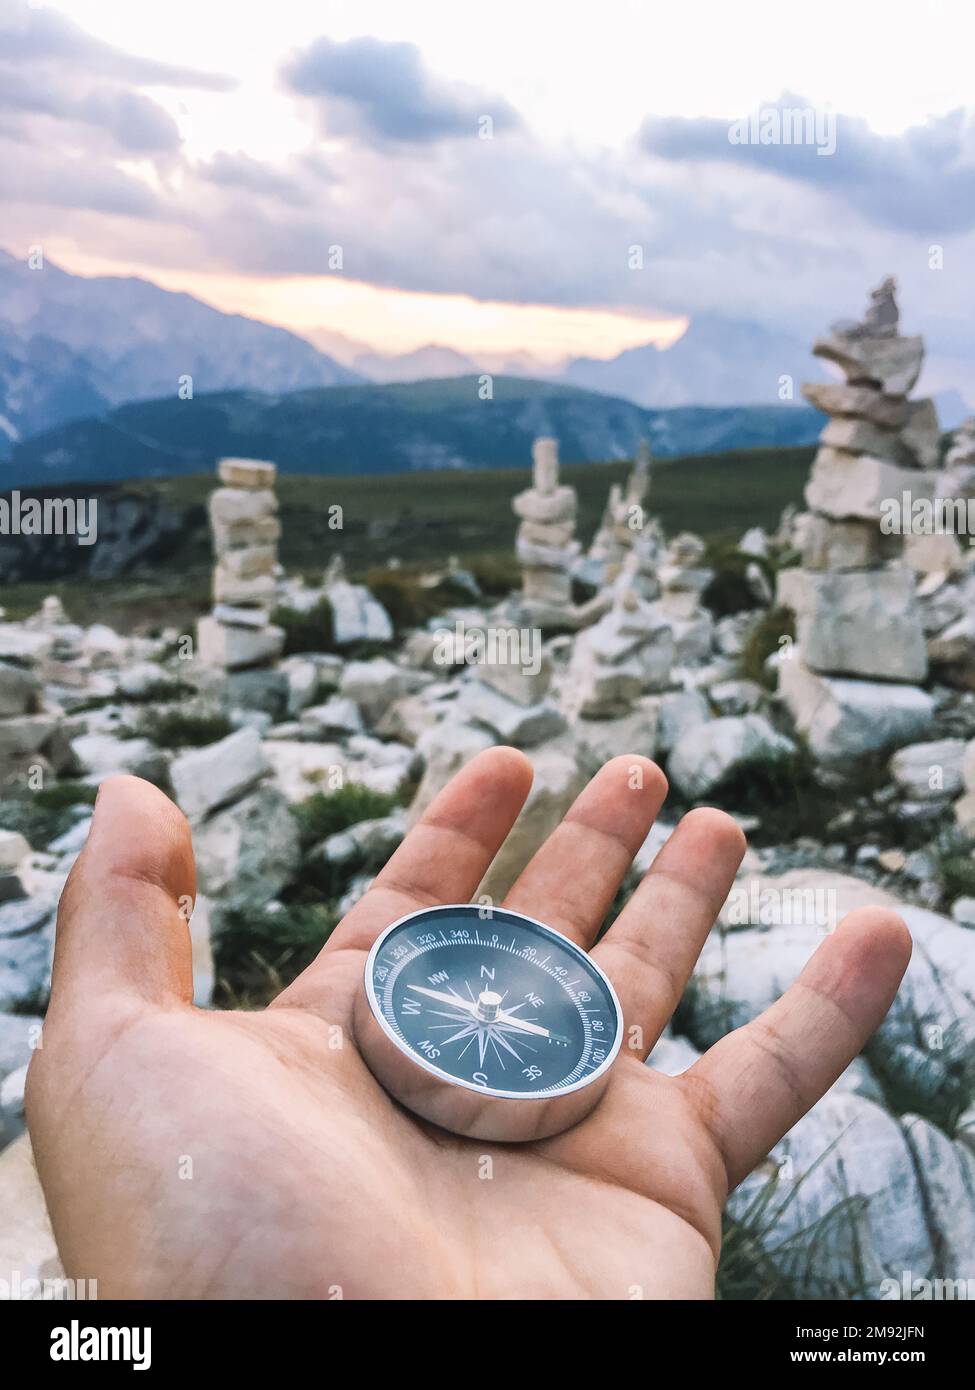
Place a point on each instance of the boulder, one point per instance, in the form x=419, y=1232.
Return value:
x=300, y=769
x=929, y=771
x=842, y=545
x=356, y=615
x=259, y=690
x=863, y=623
x=679, y=712
x=205, y=778
x=840, y=1204
x=26, y=734
x=863, y=437
x=142, y=679
x=864, y=402
x=19, y=1035
x=368, y=844
x=248, y=852
x=843, y=485
x=19, y=691
x=103, y=755
x=843, y=719
x=519, y=725
x=517, y=683
x=444, y=751
x=599, y=740
x=736, y=696
x=26, y=950
x=946, y=1171
x=247, y=473
x=922, y=433
x=922, y=1045
x=705, y=756
x=558, y=780
x=336, y=718
x=234, y=648
x=894, y=364
x=374, y=685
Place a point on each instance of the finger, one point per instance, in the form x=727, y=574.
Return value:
x=652, y=947
x=757, y=1082
x=572, y=880
x=448, y=851
x=124, y=913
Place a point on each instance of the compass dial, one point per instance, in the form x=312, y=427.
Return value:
x=493, y=1001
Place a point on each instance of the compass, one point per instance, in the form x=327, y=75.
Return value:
x=487, y=1022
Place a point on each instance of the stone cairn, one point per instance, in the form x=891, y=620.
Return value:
x=625, y=529
x=245, y=528
x=547, y=549
x=854, y=597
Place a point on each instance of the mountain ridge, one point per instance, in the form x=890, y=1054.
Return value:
x=400, y=428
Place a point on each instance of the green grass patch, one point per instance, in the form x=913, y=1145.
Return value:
x=326, y=813
x=185, y=729
x=257, y=954
x=764, y=640
x=311, y=631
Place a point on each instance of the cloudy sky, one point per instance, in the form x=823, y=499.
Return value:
x=227, y=149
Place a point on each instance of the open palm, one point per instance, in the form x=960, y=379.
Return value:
x=188, y=1154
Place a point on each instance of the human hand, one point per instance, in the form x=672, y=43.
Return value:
x=187, y=1153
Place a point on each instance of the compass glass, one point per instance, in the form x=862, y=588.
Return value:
x=493, y=1001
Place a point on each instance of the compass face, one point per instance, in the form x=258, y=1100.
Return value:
x=493, y=1001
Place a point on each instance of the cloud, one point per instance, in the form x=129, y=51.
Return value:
x=921, y=181
x=240, y=172
x=40, y=36
x=134, y=123
x=383, y=90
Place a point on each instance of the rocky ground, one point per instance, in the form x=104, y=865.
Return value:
x=300, y=777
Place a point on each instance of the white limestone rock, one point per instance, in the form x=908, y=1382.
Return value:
x=929, y=771
x=247, y=473
x=205, y=778
x=248, y=852
x=558, y=780
x=102, y=755
x=863, y=402
x=706, y=755
x=892, y=363
x=356, y=615
x=842, y=719
x=841, y=1186
x=523, y=726
x=844, y=485
x=26, y=951
x=374, y=685
x=863, y=623
x=238, y=647
x=19, y=691
x=336, y=718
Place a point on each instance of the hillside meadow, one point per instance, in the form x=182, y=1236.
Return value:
x=420, y=518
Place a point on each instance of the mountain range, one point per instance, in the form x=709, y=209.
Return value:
x=73, y=347
x=388, y=429
x=103, y=374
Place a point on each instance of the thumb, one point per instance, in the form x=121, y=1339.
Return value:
x=124, y=913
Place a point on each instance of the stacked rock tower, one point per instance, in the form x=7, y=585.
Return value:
x=854, y=598
x=245, y=528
